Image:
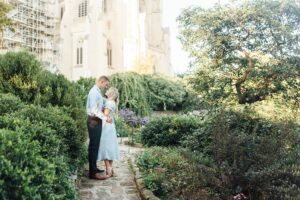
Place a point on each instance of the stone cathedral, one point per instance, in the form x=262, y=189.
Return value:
x=101, y=37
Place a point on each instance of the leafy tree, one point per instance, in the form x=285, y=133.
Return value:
x=246, y=50
x=19, y=73
x=164, y=94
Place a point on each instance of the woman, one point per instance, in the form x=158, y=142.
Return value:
x=109, y=149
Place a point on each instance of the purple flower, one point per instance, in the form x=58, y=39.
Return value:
x=132, y=119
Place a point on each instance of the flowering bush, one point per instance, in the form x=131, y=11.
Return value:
x=132, y=119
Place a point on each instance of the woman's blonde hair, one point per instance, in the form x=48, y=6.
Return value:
x=112, y=92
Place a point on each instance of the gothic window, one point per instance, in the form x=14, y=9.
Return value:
x=62, y=9
x=82, y=9
x=79, y=56
x=109, y=54
x=104, y=6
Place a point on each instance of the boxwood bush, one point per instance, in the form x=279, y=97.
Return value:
x=168, y=130
x=9, y=103
x=25, y=174
x=50, y=143
x=19, y=72
x=72, y=138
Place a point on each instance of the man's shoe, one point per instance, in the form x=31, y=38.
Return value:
x=100, y=170
x=97, y=177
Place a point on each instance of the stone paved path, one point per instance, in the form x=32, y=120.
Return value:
x=120, y=187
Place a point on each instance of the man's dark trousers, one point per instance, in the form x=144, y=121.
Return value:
x=94, y=128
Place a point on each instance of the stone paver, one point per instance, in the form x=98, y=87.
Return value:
x=119, y=187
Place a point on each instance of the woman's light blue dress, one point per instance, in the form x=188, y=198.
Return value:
x=109, y=148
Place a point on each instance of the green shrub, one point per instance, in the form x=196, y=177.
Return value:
x=252, y=156
x=193, y=102
x=65, y=128
x=168, y=130
x=171, y=174
x=9, y=103
x=25, y=174
x=234, y=153
x=121, y=127
x=164, y=94
x=51, y=145
x=18, y=74
x=21, y=75
x=56, y=90
x=255, y=157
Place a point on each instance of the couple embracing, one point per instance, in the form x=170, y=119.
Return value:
x=103, y=144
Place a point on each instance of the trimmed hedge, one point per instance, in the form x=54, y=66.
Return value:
x=168, y=130
x=25, y=174
x=50, y=142
x=65, y=128
x=9, y=103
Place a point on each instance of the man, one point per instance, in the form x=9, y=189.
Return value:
x=94, y=107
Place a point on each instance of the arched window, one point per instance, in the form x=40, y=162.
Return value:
x=109, y=53
x=82, y=8
x=79, y=53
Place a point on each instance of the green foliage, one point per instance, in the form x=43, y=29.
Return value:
x=141, y=93
x=56, y=90
x=132, y=92
x=233, y=152
x=83, y=85
x=58, y=134
x=21, y=74
x=251, y=155
x=255, y=157
x=18, y=74
x=65, y=129
x=9, y=103
x=192, y=102
x=49, y=141
x=244, y=51
x=164, y=94
x=25, y=174
x=173, y=174
x=168, y=130
x=121, y=127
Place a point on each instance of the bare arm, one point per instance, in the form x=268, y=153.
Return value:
x=106, y=113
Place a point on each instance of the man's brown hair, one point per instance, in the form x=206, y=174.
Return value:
x=103, y=78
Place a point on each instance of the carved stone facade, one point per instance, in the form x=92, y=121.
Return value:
x=101, y=37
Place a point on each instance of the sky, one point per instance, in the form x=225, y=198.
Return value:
x=172, y=9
